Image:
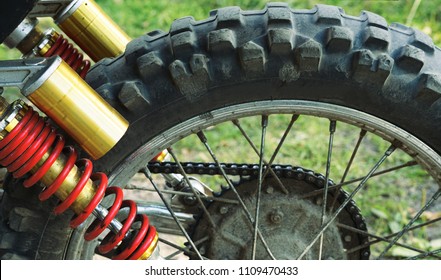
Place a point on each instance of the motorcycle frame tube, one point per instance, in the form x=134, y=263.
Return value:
x=93, y=30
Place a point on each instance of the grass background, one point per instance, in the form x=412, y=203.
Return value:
x=137, y=17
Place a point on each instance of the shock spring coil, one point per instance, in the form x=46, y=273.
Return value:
x=58, y=45
x=23, y=150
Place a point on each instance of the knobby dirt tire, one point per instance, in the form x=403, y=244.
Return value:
x=234, y=56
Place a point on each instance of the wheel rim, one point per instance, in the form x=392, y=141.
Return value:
x=371, y=177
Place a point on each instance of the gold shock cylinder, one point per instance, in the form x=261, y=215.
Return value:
x=74, y=176
x=148, y=253
x=94, y=32
x=68, y=184
x=79, y=110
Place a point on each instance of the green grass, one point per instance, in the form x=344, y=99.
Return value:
x=387, y=202
x=139, y=17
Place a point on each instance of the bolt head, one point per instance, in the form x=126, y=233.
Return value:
x=190, y=200
x=276, y=216
x=202, y=250
x=223, y=210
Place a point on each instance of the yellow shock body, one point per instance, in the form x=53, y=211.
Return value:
x=94, y=31
x=79, y=110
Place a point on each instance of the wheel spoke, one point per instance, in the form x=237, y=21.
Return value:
x=172, y=255
x=148, y=175
x=389, y=151
x=179, y=193
x=354, y=153
x=436, y=253
x=204, y=140
x=175, y=246
x=259, y=187
x=383, y=172
x=294, y=118
x=413, y=220
x=379, y=239
x=180, y=249
x=247, y=137
x=332, y=128
x=348, y=167
x=195, y=193
x=362, y=246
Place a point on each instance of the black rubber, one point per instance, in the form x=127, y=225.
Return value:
x=322, y=54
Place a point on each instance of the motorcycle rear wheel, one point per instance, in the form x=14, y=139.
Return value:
x=343, y=76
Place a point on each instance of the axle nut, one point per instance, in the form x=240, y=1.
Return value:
x=276, y=216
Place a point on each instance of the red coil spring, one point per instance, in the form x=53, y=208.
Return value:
x=70, y=55
x=23, y=148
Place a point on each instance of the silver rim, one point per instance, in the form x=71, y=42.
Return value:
x=392, y=241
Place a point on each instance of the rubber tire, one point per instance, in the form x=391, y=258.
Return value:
x=392, y=72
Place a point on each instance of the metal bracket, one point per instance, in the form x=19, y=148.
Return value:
x=49, y=8
x=57, y=9
x=27, y=74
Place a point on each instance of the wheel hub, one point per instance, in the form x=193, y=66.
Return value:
x=287, y=223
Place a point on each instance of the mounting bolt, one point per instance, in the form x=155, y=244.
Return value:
x=276, y=216
x=202, y=250
x=348, y=238
x=190, y=200
x=366, y=254
x=223, y=210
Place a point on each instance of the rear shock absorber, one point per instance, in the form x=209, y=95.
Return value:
x=31, y=41
x=30, y=148
x=83, y=21
x=92, y=29
x=54, y=44
x=28, y=144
